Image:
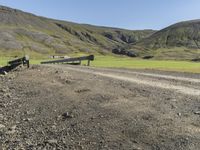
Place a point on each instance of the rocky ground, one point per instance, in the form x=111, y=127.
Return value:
x=58, y=107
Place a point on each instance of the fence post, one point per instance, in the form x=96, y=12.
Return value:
x=88, y=64
x=27, y=61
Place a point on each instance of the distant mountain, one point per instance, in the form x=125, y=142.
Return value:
x=20, y=30
x=181, y=40
x=183, y=34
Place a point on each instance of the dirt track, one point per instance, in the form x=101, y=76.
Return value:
x=67, y=107
x=141, y=78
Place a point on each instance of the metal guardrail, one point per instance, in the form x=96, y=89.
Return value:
x=15, y=63
x=20, y=61
x=71, y=60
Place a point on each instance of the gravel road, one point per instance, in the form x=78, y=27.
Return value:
x=149, y=79
x=74, y=107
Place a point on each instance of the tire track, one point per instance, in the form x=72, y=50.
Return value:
x=159, y=84
x=194, y=80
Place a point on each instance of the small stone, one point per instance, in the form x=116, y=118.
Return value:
x=67, y=81
x=17, y=122
x=197, y=113
x=173, y=106
x=12, y=130
x=2, y=126
x=3, y=90
x=27, y=119
x=53, y=141
x=8, y=95
x=1, y=117
x=53, y=127
x=66, y=116
x=136, y=148
x=2, y=105
x=173, y=100
x=13, y=127
x=179, y=114
x=5, y=73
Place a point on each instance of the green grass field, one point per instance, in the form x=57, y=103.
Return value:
x=125, y=62
x=3, y=60
x=168, y=65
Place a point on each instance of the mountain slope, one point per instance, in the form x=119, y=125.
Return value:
x=180, y=41
x=186, y=34
x=24, y=31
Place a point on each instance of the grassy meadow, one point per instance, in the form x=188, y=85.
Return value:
x=125, y=62
x=111, y=61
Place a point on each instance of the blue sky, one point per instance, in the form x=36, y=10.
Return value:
x=130, y=14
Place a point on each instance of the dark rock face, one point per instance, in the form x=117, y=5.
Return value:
x=124, y=52
x=124, y=36
x=131, y=54
x=196, y=60
x=148, y=57
x=108, y=35
x=119, y=51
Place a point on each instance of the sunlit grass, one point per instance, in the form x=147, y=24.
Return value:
x=124, y=62
x=4, y=60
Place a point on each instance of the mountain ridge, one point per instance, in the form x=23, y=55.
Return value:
x=19, y=29
x=22, y=31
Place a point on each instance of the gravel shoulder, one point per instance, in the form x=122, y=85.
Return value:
x=66, y=107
